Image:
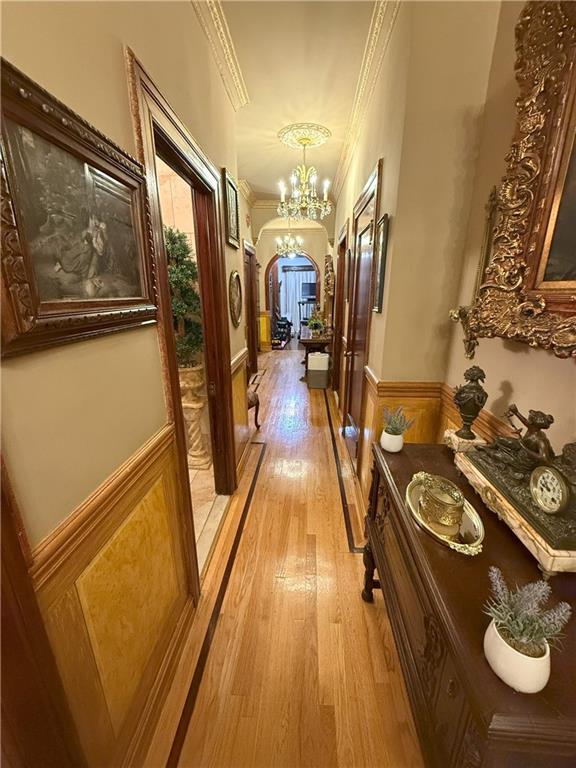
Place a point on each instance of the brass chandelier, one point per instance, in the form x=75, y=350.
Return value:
x=303, y=201
x=289, y=245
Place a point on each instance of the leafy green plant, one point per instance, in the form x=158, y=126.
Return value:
x=315, y=322
x=395, y=422
x=186, y=306
x=519, y=616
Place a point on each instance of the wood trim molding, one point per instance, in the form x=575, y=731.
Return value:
x=399, y=388
x=487, y=425
x=213, y=22
x=60, y=546
x=159, y=130
x=379, y=33
x=238, y=359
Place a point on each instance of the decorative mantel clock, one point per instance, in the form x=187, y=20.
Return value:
x=531, y=489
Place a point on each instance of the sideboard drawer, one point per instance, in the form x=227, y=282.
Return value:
x=451, y=712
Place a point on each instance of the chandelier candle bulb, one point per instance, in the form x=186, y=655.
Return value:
x=282, y=191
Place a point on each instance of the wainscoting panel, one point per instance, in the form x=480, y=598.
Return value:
x=114, y=589
x=431, y=406
x=240, y=404
x=421, y=401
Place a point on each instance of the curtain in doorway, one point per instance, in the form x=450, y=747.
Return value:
x=291, y=293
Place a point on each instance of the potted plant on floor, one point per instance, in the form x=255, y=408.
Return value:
x=187, y=319
x=395, y=424
x=518, y=639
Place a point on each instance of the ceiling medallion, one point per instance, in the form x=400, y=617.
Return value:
x=303, y=201
x=299, y=135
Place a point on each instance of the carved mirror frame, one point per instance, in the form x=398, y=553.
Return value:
x=514, y=300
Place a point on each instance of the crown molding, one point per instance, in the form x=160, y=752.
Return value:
x=213, y=21
x=246, y=191
x=381, y=26
x=265, y=204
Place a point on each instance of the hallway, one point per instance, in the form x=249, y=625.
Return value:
x=300, y=672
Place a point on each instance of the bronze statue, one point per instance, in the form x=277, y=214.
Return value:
x=521, y=454
x=470, y=399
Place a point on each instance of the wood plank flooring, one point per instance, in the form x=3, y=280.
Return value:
x=301, y=672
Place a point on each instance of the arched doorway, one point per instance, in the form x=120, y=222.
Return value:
x=292, y=291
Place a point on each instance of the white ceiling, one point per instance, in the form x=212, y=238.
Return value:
x=300, y=62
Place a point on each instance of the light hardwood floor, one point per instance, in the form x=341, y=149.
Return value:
x=301, y=672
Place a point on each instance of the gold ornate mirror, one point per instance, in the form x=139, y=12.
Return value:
x=528, y=291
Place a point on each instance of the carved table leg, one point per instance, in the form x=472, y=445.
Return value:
x=256, y=410
x=369, y=584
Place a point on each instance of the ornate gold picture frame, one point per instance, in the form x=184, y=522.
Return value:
x=77, y=254
x=529, y=288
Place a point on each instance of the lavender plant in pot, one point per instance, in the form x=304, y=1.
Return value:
x=395, y=424
x=518, y=639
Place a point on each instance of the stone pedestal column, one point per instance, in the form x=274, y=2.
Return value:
x=192, y=386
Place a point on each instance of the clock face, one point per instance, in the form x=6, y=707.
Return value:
x=549, y=489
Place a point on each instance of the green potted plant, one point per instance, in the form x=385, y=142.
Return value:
x=187, y=319
x=395, y=424
x=518, y=639
x=186, y=306
x=315, y=323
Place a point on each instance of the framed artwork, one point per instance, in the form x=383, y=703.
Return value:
x=380, y=266
x=77, y=256
x=231, y=210
x=235, y=298
x=528, y=290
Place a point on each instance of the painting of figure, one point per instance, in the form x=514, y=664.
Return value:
x=77, y=222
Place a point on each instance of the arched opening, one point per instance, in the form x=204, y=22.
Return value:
x=292, y=291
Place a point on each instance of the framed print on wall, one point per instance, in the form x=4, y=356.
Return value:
x=380, y=269
x=235, y=298
x=76, y=252
x=231, y=210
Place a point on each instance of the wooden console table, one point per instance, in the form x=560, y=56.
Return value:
x=465, y=716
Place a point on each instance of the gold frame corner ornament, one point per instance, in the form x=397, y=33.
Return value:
x=509, y=302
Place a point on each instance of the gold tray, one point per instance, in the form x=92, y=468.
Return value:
x=468, y=540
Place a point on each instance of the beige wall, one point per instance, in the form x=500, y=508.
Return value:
x=532, y=378
x=102, y=399
x=423, y=121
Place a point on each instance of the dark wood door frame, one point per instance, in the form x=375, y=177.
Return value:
x=251, y=305
x=371, y=190
x=37, y=726
x=342, y=245
x=159, y=130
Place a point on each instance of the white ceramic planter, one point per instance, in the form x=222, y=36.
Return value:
x=391, y=443
x=523, y=673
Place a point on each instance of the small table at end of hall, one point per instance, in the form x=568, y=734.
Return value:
x=312, y=344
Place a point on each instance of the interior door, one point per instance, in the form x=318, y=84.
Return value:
x=360, y=313
x=251, y=306
x=338, y=312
